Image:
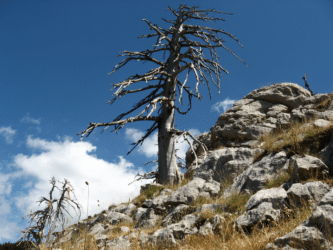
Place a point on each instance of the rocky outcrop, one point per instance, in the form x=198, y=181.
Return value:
x=262, y=111
x=314, y=233
x=235, y=155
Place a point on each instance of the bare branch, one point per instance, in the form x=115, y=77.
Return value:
x=149, y=162
x=181, y=163
x=92, y=126
x=184, y=133
x=149, y=132
x=146, y=176
x=163, y=36
x=306, y=84
x=125, y=92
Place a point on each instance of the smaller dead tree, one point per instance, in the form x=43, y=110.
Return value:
x=49, y=216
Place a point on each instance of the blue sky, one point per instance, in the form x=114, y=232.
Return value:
x=55, y=57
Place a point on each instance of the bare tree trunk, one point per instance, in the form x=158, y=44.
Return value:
x=169, y=173
x=58, y=211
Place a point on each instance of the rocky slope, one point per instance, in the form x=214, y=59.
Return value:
x=239, y=162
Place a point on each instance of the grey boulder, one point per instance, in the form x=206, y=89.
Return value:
x=147, y=219
x=256, y=176
x=306, y=167
x=191, y=191
x=226, y=163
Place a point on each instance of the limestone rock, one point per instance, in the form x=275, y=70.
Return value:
x=277, y=109
x=226, y=163
x=283, y=119
x=176, y=231
x=175, y=214
x=115, y=218
x=138, y=212
x=315, y=99
x=302, y=237
x=124, y=208
x=254, y=132
x=289, y=94
x=120, y=243
x=326, y=155
x=206, y=229
x=98, y=229
x=314, y=233
x=100, y=219
x=185, y=226
x=255, y=177
x=264, y=213
x=263, y=207
x=156, y=203
x=148, y=219
x=307, y=166
x=164, y=235
x=275, y=196
x=187, y=193
x=321, y=123
x=212, y=208
x=317, y=190
x=298, y=194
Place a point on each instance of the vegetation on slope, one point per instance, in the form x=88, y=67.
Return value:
x=298, y=138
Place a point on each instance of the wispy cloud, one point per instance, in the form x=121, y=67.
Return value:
x=28, y=119
x=225, y=105
x=8, y=133
x=64, y=159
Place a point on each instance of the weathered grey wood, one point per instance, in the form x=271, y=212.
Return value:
x=48, y=216
x=163, y=95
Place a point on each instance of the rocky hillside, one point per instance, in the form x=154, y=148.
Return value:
x=264, y=183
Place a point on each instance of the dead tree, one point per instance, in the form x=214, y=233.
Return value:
x=49, y=216
x=185, y=44
x=306, y=84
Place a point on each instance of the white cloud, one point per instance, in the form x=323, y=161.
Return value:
x=8, y=133
x=8, y=230
x=5, y=186
x=150, y=147
x=225, y=105
x=28, y=119
x=108, y=182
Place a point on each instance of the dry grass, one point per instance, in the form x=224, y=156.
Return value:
x=282, y=178
x=298, y=138
x=147, y=194
x=229, y=238
x=225, y=237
